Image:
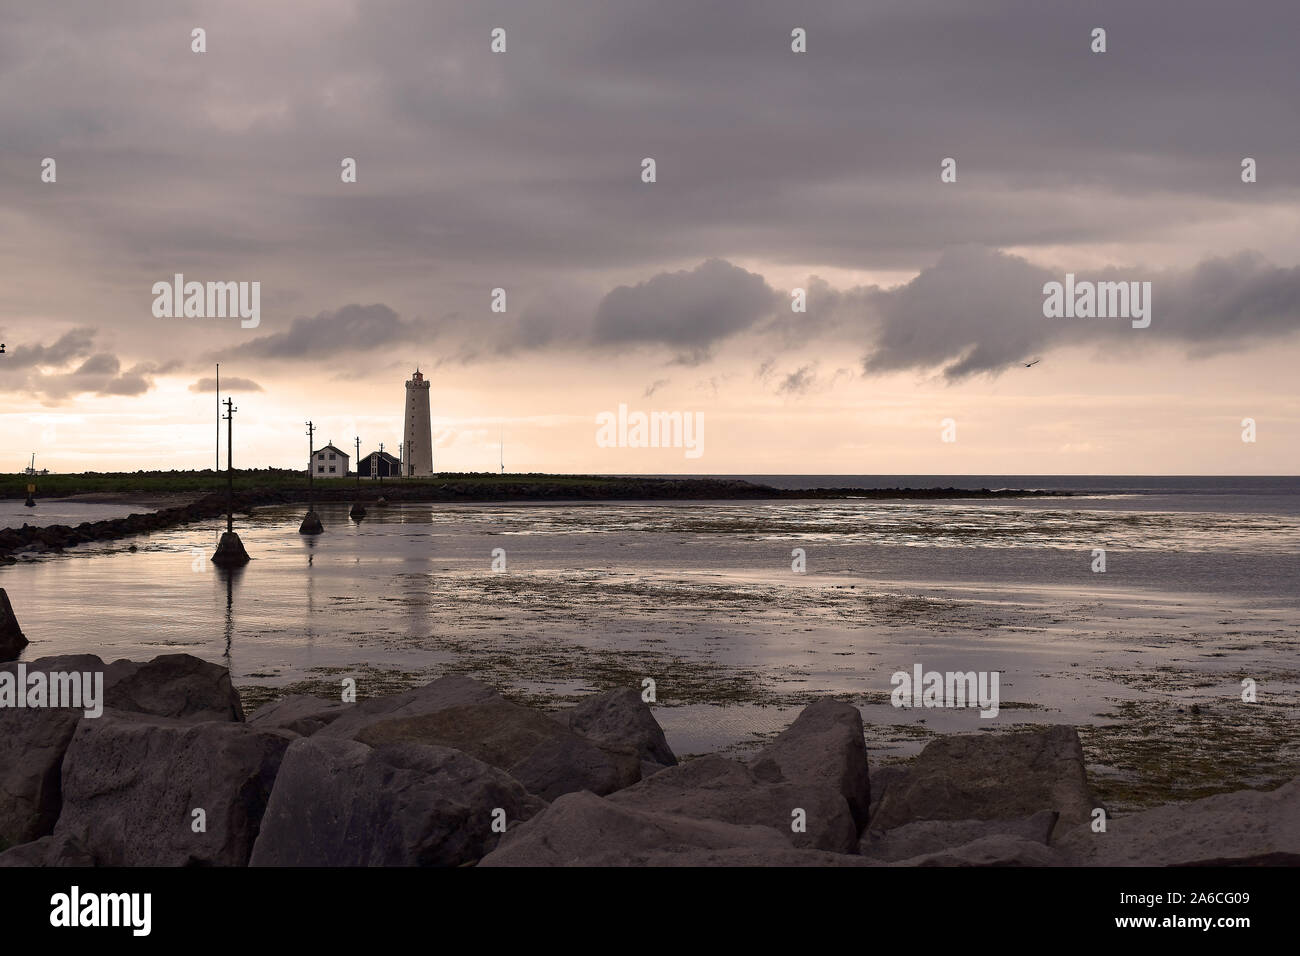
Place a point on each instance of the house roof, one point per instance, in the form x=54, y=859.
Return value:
x=383, y=454
x=331, y=448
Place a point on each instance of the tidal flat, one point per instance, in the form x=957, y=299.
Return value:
x=704, y=599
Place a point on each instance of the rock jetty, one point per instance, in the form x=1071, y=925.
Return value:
x=173, y=773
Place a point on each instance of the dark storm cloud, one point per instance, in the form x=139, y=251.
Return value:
x=689, y=311
x=71, y=345
x=137, y=380
x=978, y=310
x=100, y=364
x=477, y=170
x=350, y=329
x=45, y=370
x=1225, y=303
x=54, y=387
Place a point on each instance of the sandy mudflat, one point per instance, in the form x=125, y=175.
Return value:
x=1147, y=659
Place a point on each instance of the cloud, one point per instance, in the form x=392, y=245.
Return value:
x=1227, y=302
x=135, y=381
x=71, y=345
x=42, y=370
x=239, y=384
x=353, y=328
x=798, y=381
x=100, y=364
x=980, y=310
x=688, y=312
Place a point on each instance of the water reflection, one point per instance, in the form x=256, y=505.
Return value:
x=229, y=576
x=414, y=588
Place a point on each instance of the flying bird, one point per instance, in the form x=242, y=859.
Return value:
x=1033, y=363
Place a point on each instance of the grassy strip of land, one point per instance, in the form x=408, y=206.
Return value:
x=269, y=485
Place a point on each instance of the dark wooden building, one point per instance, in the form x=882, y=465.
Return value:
x=379, y=464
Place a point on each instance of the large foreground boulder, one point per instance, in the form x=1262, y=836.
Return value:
x=937, y=836
x=883, y=778
x=338, y=802
x=1000, y=849
x=33, y=740
x=132, y=785
x=12, y=640
x=753, y=856
x=824, y=745
x=32, y=744
x=621, y=719
x=451, y=691
x=539, y=752
x=581, y=829
x=300, y=713
x=48, y=851
x=173, y=685
x=1245, y=828
x=987, y=777
x=714, y=788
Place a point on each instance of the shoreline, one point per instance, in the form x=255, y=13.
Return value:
x=182, y=508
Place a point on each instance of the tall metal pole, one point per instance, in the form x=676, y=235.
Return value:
x=230, y=550
x=230, y=464
x=358, y=510
x=311, y=521
x=310, y=452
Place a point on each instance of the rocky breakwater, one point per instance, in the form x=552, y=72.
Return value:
x=57, y=537
x=453, y=774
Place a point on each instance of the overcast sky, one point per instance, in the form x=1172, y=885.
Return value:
x=522, y=170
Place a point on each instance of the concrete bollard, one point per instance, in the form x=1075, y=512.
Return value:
x=230, y=552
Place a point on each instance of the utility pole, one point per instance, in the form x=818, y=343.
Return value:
x=230, y=464
x=218, y=465
x=379, y=464
x=358, y=509
x=311, y=521
x=311, y=451
x=230, y=550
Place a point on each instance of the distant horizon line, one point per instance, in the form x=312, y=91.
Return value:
x=717, y=474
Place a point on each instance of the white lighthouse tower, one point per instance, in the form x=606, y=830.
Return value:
x=418, y=451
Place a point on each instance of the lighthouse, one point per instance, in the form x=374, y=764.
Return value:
x=418, y=457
